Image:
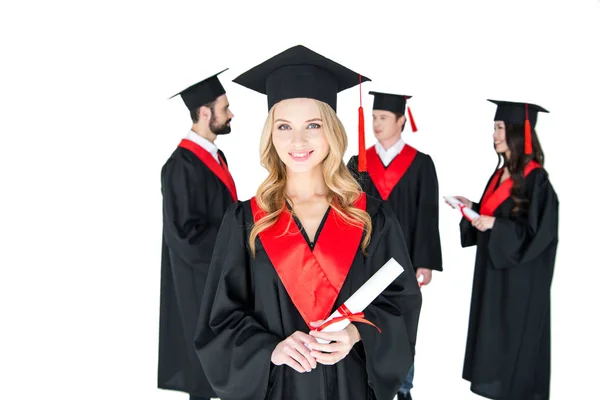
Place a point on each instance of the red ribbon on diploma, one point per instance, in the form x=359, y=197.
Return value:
x=346, y=314
x=462, y=207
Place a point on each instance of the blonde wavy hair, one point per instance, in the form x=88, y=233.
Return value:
x=343, y=189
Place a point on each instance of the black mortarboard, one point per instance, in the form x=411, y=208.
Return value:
x=395, y=103
x=299, y=72
x=518, y=113
x=202, y=92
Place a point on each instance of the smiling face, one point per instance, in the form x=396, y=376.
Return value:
x=298, y=135
x=500, y=137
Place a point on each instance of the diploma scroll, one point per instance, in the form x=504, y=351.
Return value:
x=362, y=298
x=468, y=213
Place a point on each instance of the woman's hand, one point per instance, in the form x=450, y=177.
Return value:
x=292, y=352
x=341, y=344
x=468, y=203
x=484, y=222
x=426, y=274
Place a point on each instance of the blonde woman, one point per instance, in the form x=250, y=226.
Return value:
x=291, y=255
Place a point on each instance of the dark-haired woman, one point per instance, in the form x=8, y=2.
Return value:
x=508, y=344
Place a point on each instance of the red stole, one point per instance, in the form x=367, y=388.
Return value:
x=386, y=179
x=312, y=279
x=221, y=171
x=492, y=197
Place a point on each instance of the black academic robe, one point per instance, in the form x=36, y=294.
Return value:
x=247, y=310
x=508, y=345
x=195, y=199
x=409, y=186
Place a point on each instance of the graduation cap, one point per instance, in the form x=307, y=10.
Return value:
x=202, y=92
x=299, y=72
x=395, y=103
x=518, y=113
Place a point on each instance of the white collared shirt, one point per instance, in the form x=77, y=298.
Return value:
x=387, y=156
x=205, y=144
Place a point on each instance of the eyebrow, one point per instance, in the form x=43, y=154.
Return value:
x=285, y=120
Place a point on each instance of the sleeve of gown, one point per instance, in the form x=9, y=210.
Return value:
x=468, y=233
x=427, y=249
x=185, y=209
x=390, y=354
x=233, y=347
x=517, y=242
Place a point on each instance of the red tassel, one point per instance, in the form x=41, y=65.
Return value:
x=362, y=152
x=528, y=148
x=527, y=137
x=412, y=120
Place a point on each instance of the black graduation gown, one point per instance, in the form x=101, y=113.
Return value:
x=415, y=202
x=247, y=311
x=194, y=202
x=508, y=345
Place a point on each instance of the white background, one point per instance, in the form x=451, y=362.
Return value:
x=86, y=126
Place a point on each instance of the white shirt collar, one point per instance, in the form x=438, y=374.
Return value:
x=204, y=143
x=387, y=156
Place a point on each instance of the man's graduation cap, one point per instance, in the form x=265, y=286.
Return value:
x=518, y=113
x=299, y=72
x=202, y=92
x=395, y=103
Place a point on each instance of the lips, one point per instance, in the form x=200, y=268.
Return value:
x=300, y=156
